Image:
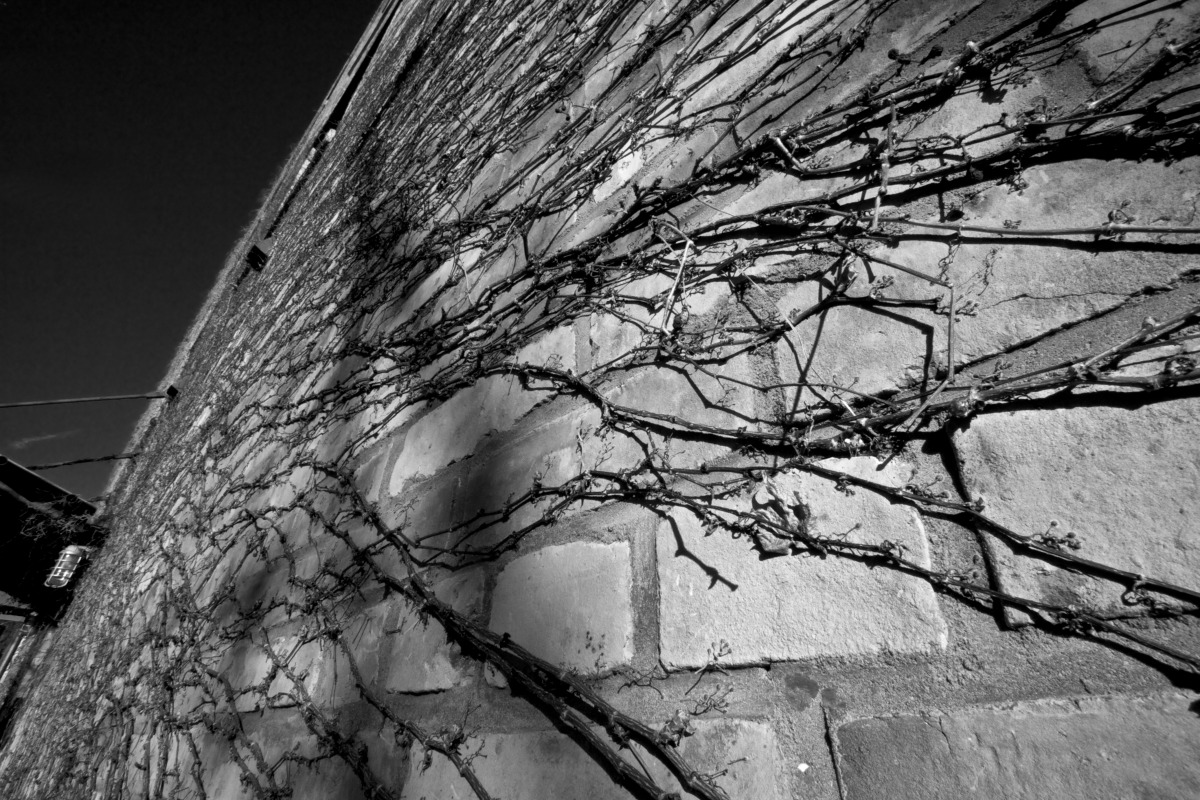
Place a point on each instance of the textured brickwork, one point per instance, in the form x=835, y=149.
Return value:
x=738, y=399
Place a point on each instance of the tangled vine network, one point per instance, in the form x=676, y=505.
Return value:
x=710, y=201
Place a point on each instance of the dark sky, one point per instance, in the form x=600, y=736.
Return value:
x=135, y=141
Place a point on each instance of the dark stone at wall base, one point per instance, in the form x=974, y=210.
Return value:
x=1098, y=749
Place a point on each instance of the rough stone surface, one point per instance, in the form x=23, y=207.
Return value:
x=515, y=766
x=543, y=765
x=1126, y=481
x=554, y=349
x=225, y=781
x=426, y=507
x=865, y=350
x=329, y=780
x=746, y=751
x=1119, y=43
x=720, y=397
x=453, y=430
x=421, y=658
x=640, y=194
x=245, y=666
x=1011, y=293
x=1093, y=749
x=716, y=589
x=550, y=454
x=569, y=604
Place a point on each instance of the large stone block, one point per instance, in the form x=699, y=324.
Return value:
x=722, y=397
x=551, y=766
x=613, y=337
x=862, y=350
x=1098, y=749
x=271, y=736
x=221, y=774
x=555, y=348
x=868, y=350
x=454, y=429
x=314, y=663
x=746, y=752
x=960, y=115
x=330, y=779
x=489, y=500
x=569, y=604
x=225, y=780
x=367, y=642
x=425, y=508
x=260, y=583
x=430, y=287
x=289, y=485
x=1127, y=42
x=712, y=82
x=515, y=766
x=714, y=588
x=384, y=411
x=1010, y=293
x=422, y=660
x=1125, y=481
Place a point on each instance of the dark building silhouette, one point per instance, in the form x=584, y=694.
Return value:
x=38, y=519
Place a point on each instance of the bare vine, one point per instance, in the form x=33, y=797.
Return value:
x=439, y=244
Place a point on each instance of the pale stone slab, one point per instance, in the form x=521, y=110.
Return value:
x=799, y=607
x=424, y=508
x=272, y=735
x=1127, y=42
x=961, y=114
x=369, y=475
x=861, y=349
x=553, y=349
x=245, y=667
x=1126, y=482
x=515, y=766
x=199, y=422
x=1003, y=295
x=316, y=667
x=422, y=660
x=747, y=751
x=722, y=396
x=454, y=429
x=225, y=780
x=1090, y=749
x=328, y=780
x=550, y=766
x=704, y=86
x=384, y=411
x=1009, y=294
x=569, y=604
x=613, y=337
x=622, y=171
x=549, y=456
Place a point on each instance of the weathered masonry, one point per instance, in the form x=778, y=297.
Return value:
x=732, y=399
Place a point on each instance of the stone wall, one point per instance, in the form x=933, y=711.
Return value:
x=741, y=399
